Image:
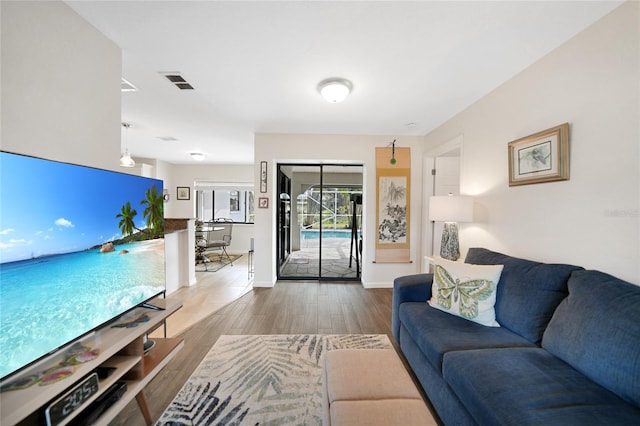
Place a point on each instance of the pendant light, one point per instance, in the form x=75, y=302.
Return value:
x=125, y=159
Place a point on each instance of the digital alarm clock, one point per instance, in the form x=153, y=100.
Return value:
x=71, y=400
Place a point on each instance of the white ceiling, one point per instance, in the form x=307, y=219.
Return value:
x=255, y=66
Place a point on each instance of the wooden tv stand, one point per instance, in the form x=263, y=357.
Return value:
x=121, y=348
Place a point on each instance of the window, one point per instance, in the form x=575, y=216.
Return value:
x=335, y=207
x=234, y=201
x=237, y=205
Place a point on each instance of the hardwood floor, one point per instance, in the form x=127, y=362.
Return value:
x=289, y=307
x=213, y=291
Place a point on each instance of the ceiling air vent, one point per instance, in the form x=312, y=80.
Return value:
x=178, y=81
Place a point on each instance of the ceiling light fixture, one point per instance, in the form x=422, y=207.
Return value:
x=335, y=90
x=125, y=159
x=198, y=156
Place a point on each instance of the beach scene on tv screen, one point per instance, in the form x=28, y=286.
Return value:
x=78, y=247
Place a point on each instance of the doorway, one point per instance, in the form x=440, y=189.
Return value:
x=319, y=215
x=445, y=178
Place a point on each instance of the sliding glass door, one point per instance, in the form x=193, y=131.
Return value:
x=319, y=221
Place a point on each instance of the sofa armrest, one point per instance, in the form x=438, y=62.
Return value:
x=410, y=288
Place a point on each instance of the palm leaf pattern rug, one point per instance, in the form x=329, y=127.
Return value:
x=261, y=380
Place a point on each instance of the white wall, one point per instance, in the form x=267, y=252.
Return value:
x=60, y=86
x=592, y=220
x=339, y=149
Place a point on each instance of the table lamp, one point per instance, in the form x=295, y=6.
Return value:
x=450, y=209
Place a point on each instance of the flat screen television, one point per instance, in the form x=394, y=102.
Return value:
x=79, y=247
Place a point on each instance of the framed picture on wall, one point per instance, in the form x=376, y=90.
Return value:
x=263, y=176
x=541, y=157
x=263, y=203
x=183, y=193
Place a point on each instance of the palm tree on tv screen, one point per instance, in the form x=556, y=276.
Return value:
x=126, y=216
x=154, y=210
x=153, y=213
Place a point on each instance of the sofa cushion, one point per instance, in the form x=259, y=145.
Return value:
x=442, y=398
x=523, y=281
x=596, y=329
x=465, y=290
x=529, y=386
x=435, y=333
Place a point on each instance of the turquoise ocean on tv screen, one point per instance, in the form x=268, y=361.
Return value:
x=55, y=285
x=48, y=301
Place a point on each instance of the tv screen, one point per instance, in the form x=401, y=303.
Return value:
x=79, y=247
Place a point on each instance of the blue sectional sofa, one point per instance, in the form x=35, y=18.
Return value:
x=567, y=351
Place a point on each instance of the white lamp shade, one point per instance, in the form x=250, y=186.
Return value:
x=126, y=160
x=335, y=90
x=449, y=208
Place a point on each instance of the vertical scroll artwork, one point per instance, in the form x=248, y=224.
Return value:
x=393, y=187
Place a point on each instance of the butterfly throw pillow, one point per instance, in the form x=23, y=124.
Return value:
x=466, y=290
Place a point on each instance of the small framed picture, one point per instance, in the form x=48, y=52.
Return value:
x=263, y=176
x=183, y=193
x=263, y=203
x=541, y=157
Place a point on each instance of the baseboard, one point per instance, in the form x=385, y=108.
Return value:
x=267, y=284
x=383, y=284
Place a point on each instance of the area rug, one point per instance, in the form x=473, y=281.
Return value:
x=261, y=380
x=214, y=263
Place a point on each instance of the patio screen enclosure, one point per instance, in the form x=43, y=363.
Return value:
x=319, y=221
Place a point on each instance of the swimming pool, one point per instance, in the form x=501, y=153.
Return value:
x=314, y=234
